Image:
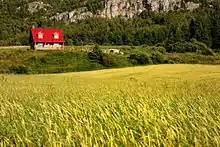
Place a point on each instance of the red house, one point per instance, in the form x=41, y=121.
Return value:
x=46, y=39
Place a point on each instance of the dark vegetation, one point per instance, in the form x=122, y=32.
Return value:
x=35, y=62
x=162, y=38
x=150, y=28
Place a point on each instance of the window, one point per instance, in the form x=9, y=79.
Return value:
x=40, y=45
x=56, y=36
x=40, y=35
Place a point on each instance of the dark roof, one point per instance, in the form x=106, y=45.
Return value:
x=48, y=35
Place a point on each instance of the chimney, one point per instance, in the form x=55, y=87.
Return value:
x=33, y=27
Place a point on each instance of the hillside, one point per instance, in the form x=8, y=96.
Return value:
x=114, y=22
x=162, y=105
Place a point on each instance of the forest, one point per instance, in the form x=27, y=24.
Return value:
x=171, y=29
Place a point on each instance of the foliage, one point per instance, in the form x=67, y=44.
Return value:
x=157, y=58
x=113, y=61
x=192, y=46
x=140, y=59
x=150, y=28
x=34, y=62
x=19, y=69
x=69, y=42
x=96, y=55
x=160, y=49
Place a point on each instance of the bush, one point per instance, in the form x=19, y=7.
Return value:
x=171, y=62
x=112, y=60
x=20, y=69
x=178, y=47
x=96, y=55
x=192, y=46
x=140, y=59
x=161, y=49
x=37, y=60
x=208, y=51
x=157, y=57
x=203, y=49
x=69, y=42
x=193, y=61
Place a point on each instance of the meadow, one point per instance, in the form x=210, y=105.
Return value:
x=157, y=105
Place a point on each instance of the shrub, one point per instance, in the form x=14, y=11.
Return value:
x=208, y=51
x=69, y=42
x=96, y=55
x=203, y=49
x=75, y=42
x=37, y=60
x=193, y=61
x=112, y=60
x=140, y=59
x=178, y=47
x=171, y=61
x=157, y=57
x=192, y=46
x=161, y=49
x=20, y=69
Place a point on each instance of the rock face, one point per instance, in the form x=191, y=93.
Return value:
x=167, y=5
x=164, y=5
x=73, y=16
x=36, y=6
x=192, y=6
x=125, y=8
x=113, y=8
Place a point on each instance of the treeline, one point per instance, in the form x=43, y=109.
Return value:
x=149, y=28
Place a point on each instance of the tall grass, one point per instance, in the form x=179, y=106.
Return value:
x=164, y=105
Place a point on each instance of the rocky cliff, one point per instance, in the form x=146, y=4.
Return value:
x=36, y=6
x=125, y=8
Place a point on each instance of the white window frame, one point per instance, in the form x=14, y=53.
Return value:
x=40, y=35
x=56, y=35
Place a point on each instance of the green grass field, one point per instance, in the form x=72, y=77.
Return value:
x=159, y=105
